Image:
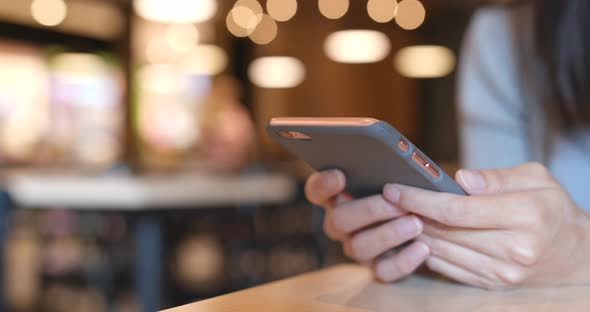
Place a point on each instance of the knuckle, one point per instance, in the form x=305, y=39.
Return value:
x=526, y=254
x=538, y=169
x=512, y=276
x=499, y=181
x=543, y=175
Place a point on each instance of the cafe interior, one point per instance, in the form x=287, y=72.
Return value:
x=136, y=172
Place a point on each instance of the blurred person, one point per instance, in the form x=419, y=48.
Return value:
x=228, y=130
x=524, y=106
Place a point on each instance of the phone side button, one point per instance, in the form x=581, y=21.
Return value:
x=403, y=145
x=421, y=160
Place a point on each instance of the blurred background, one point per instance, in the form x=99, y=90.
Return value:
x=135, y=172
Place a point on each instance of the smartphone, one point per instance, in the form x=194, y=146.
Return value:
x=370, y=152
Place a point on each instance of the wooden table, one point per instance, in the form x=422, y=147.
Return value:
x=350, y=288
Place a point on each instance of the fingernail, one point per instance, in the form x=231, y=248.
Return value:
x=333, y=180
x=408, y=226
x=473, y=180
x=392, y=193
x=419, y=252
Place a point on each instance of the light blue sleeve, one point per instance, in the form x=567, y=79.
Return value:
x=492, y=129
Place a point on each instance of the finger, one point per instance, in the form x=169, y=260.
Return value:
x=482, y=241
x=357, y=214
x=346, y=248
x=322, y=186
x=456, y=273
x=368, y=244
x=331, y=231
x=520, y=178
x=494, y=271
x=340, y=199
x=394, y=266
x=480, y=212
x=329, y=228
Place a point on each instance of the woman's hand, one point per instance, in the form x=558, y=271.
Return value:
x=369, y=228
x=520, y=228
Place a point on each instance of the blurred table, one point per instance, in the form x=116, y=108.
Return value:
x=349, y=288
x=129, y=193
x=146, y=196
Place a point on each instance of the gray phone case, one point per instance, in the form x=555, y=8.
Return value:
x=368, y=155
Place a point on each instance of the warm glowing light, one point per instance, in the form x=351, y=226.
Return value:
x=242, y=21
x=333, y=9
x=176, y=11
x=382, y=11
x=247, y=13
x=253, y=5
x=281, y=10
x=244, y=17
x=49, y=12
x=79, y=66
x=158, y=50
x=160, y=79
x=411, y=14
x=277, y=72
x=206, y=59
x=266, y=31
x=24, y=107
x=427, y=61
x=182, y=37
x=357, y=46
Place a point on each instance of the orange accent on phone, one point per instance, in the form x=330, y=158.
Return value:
x=427, y=166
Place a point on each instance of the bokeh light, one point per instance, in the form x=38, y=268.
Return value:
x=49, y=12
x=205, y=59
x=357, y=46
x=427, y=61
x=158, y=50
x=176, y=11
x=24, y=107
x=81, y=64
x=161, y=79
x=281, y=10
x=411, y=14
x=247, y=13
x=333, y=9
x=266, y=31
x=382, y=11
x=277, y=72
x=241, y=21
x=182, y=37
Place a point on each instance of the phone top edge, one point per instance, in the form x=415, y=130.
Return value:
x=323, y=121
